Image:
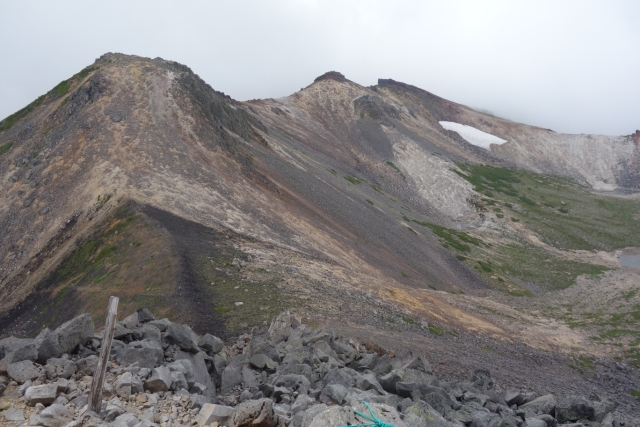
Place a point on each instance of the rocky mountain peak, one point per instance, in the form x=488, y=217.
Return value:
x=332, y=75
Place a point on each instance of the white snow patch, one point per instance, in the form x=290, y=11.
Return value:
x=472, y=135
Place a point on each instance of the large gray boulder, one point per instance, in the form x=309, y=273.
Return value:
x=485, y=419
x=54, y=416
x=146, y=353
x=542, y=405
x=18, y=349
x=200, y=372
x=44, y=394
x=60, y=368
x=420, y=414
x=574, y=408
x=23, y=371
x=182, y=336
x=232, y=374
x=88, y=365
x=76, y=331
x=48, y=345
x=211, y=343
x=160, y=380
x=210, y=413
x=254, y=413
x=280, y=328
x=127, y=384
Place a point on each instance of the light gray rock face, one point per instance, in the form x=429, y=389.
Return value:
x=160, y=380
x=210, y=413
x=146, y=353
x=60, y=368
x=334, y=416
x=485, y=419
x=23, y=371
x=53, y=416
x=125, y=420
x=542, y=405
x=88, y=364
x=13, y=414
x=573, y=409
x=200, y=371
x=254, y=413
x=145, y=315
x=44, y=394
x=421, y=414
x=182, y=336
x=211, y=343
x=127, y=384
x=76, y=331
x=280, y=328
x=18, y=349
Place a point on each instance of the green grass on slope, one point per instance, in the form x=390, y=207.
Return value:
x=563, y=214
x=60, y=90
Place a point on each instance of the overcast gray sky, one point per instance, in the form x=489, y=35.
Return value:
x=572, y=66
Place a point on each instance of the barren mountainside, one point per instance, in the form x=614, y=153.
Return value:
x=352, y=205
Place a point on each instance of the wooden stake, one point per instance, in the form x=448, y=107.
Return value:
x=95, y=398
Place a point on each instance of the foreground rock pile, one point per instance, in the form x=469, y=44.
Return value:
x=162, y=373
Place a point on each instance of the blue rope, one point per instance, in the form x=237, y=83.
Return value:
x=375, y=422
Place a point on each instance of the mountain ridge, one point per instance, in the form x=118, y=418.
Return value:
x=136, y=178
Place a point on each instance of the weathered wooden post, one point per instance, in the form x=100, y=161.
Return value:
x=95, y=398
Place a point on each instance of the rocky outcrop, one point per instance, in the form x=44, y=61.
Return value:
x=287, y=375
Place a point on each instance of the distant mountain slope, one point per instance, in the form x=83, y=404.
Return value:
x=135, y=177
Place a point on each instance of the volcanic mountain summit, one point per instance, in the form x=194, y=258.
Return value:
x=379, y=209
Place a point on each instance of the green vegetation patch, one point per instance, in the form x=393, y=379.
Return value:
x=8, y=122
x=394, y=167
x=453, y=238
x=563, y=214
x=5, y=147
x=353, y=179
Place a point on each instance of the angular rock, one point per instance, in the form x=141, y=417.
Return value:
x=299, y=355
x=13, y=414
x=383, y=366
x=87, y=365
x=60, y=368
x=127, y=384
x=131, y=321
x=125, y=420
x=200, y=372
x=573, y=409
x=232, y=374
x=386, y=413
x=160, y=380
x=481, y=379
x=53, y=416
x=146, y=353
x=211, y=343
x=420, y=414
x=542, y=405
x=280, y=327
x=333, y=392
x=210, y=413
x=302, y=403
x=182, y=336
x=76, y=331
x=485, y=419
x=18, y=349
x=145, y=315
x=297, y=369
x=419, y=364
x=44, y=394
x=254, y=413
x=260, y=361
x=534, y=422
x=23, y=371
